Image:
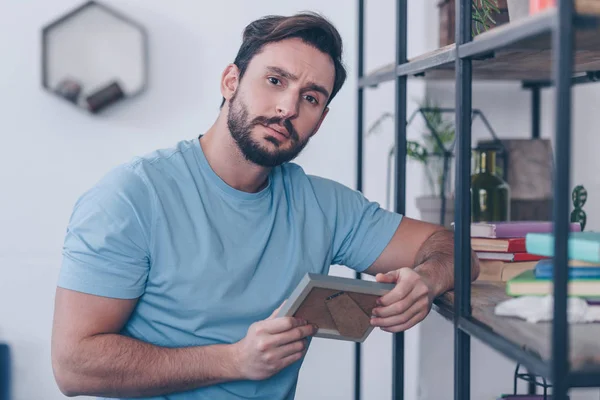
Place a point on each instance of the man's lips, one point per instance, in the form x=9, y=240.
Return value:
x=282, y=131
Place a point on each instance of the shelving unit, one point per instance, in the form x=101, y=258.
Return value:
x=558, y=47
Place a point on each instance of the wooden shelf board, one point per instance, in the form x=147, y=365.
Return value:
x=529, y=58
x=535, y=338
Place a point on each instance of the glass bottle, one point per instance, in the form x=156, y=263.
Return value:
x=490, y=194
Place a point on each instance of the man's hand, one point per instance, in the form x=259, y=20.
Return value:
x=271, y=345
x=405, y=305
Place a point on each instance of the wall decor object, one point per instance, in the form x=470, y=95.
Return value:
x=94, y=56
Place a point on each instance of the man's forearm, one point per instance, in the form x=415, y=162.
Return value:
x=435, y=261
x=112, y=365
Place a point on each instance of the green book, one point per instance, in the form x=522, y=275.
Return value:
x=526, y=284
x=583, y=246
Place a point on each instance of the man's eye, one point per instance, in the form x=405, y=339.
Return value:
x=274, y=81
x=311, y=99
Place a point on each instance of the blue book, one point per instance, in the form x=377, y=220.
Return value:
x=584, y=246
x=544, y=268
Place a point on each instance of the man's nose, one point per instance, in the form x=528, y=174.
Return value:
x=287, y=106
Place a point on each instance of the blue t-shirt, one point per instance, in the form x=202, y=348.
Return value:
x=207, y=260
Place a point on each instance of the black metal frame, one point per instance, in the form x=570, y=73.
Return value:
x=115, y=13
x=561, y=25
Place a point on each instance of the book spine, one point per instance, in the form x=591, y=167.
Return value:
x=543, y=245
x=519, y=229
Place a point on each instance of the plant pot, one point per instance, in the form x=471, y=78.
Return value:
x=517, y=9
x=430, y=208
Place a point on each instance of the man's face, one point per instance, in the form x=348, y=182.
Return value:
x=279, y=103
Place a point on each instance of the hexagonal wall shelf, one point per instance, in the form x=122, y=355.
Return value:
x=94, y=57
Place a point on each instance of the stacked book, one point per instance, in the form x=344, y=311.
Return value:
x=583, y=269
x=501, y=248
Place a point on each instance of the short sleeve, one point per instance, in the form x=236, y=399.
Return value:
x=106, y=250
x=361, y=228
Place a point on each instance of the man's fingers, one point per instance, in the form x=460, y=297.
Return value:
x=291, y=348
x=294, y=335
x=403, y=327
x=289, y=360
x=398, y=307
x=397, y=318
x=280, y=325
x=398, y=293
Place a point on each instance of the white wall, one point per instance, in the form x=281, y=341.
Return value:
x=53, y=152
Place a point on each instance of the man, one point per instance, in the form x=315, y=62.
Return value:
x=176, y=263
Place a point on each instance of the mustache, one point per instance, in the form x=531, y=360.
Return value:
x=286, y=123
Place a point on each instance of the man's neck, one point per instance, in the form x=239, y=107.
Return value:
x=228, y=162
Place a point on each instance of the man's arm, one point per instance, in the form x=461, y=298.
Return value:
x=90, y=357
x=428, y=249
x=420, y=260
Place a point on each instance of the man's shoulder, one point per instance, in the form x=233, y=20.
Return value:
x=160, y=157
x=321, y=185
x=136, y=177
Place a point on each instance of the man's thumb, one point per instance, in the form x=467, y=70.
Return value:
x=390, y=277
x=274, y=314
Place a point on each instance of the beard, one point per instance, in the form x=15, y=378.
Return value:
x=240, y=126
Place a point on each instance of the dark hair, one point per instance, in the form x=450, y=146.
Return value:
x=310, y=27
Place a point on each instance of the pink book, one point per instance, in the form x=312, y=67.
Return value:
x=515, y=229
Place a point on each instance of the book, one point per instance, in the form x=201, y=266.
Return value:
x=584, y=246
x=513, y=229
x=576, y=269
x=508, y=257
x=340, y=307
x=500, y=271
x=526, y=284
x=508, y=245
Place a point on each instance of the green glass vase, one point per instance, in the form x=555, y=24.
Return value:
x=490, y=194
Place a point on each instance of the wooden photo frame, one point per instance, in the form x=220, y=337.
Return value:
x=340, y=307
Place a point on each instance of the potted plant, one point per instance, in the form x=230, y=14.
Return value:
x=517, y=9
x=435, y=155
x=434, y=152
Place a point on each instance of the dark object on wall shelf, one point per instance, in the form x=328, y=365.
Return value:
x=104, y=97
x=94, y=56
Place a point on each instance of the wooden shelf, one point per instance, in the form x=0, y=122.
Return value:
x=533, y=338
x=520, y=51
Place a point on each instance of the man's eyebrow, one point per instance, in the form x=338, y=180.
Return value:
x=318, y=88
x=288, y=75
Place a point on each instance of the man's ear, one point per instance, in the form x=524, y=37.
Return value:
x=325, y=111
x=229, y=81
